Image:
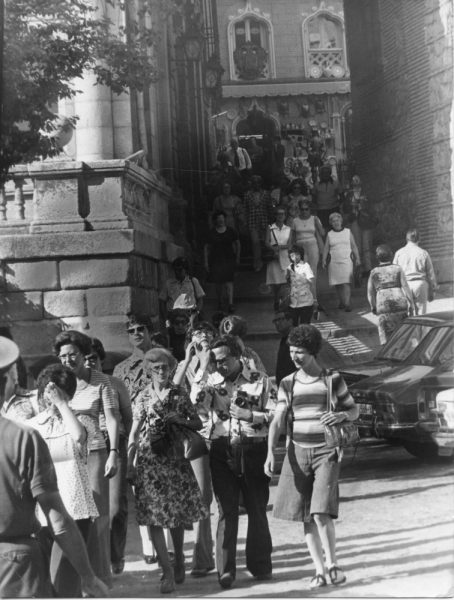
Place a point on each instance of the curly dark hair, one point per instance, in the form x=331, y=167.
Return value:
x=97, y=346
x=231, y=342
x=205, y=326
x=76, y=338
x=307, y=337
x=139, y=319
x=62, y=376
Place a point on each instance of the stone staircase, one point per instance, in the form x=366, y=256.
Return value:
x=349, y=337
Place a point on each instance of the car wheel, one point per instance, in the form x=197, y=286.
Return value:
x=425, y=451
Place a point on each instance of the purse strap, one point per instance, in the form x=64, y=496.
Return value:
x=330, y=404
x=274, y=235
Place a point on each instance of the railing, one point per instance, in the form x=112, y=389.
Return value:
x=60, y=196
x=327, y=62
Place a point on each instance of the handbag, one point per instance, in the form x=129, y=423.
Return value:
x=193, y=443
x=268, y=254
x=339, y=435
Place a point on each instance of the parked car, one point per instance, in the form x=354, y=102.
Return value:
x=390, y=402
x=400, y=346
x=435, y=426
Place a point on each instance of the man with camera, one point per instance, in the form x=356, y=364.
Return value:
x=238, y=404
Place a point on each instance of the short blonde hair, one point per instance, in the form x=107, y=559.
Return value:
x=162, y=354
x=333, y=215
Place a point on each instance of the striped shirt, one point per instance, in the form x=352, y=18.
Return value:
x=309, y=402
x=91, y=398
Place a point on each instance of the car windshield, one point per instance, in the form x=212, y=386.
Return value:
x=435, y=350
x=403, y=341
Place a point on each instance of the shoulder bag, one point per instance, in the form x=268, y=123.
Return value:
x=340, y=435
x=193, y=443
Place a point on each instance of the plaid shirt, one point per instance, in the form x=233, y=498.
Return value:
x=259, y=210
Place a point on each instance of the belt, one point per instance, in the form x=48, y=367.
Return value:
x=245, y=441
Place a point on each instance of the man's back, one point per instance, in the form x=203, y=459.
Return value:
x=26, y=470
x=413, y=261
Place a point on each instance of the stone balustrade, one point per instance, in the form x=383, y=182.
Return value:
x=82, y=244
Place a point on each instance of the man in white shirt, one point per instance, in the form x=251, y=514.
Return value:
x=418, y=269
x=240, y=159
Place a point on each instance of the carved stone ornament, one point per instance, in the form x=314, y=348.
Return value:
x=250, y=60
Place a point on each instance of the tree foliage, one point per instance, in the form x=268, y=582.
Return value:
x=49, y=44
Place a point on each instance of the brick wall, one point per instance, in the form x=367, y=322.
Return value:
x=400, y=56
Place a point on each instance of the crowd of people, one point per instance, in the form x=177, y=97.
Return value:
x=76, y=441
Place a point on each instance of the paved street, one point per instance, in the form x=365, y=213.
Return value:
x=395, y=537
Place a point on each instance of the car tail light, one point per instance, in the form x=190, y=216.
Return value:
x=445, y=408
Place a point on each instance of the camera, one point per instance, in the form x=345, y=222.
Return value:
x=241, y=399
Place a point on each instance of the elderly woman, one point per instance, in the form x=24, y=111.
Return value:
x=338, y=254
x=67, y=437
x=165, y=488
x=94, y=396
x=308, y=489
x=278, y=238
x=388, y=293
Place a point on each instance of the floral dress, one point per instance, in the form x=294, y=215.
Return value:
x=165, y=488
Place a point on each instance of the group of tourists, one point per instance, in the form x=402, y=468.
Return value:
x=78, y=439
x=192, y=412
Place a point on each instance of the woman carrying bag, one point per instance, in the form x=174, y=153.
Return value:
x=308, y=488
x=278, y=239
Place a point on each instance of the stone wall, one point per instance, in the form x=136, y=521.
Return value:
x=96, y=246
x=401, y=64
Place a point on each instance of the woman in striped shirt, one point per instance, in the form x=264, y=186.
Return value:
x=94, y=396
x=308, y=488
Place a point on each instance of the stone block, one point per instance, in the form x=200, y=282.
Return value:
x=22, y=306
x=26, y=276
x=36, y=338
x=65, y=303
x=109, y=301
x=93, y=272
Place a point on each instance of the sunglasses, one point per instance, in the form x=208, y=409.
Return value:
x=92, y=357
x=181, y=322
x=138, y=329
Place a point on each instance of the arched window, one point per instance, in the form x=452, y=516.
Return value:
x=324, y=46
x=251, y=47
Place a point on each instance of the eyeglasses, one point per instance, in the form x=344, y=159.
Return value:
x=158, y=368
x=138, y=329
x=71, y=356
x=180, y=322
x=305, y=208
x=92, y=357
x=222, y=361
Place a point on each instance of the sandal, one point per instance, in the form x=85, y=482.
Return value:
x=317, y=581
x=336, y=575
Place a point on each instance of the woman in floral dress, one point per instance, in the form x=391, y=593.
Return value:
x=165, y=488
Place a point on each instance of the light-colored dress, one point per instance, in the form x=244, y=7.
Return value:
x=70, y=462
x=385, y=281
x=165, y=488
x=340, y=268
x=275, y=270
x=305, y=237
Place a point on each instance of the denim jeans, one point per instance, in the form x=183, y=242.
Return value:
x=254, y=485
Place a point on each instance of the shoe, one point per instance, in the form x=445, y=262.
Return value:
x=200, y=572
x=341, y=305
x=336, y=575
x=150, y=559
x=317, y=581
x=231, y=308
x=264, y=576
x=348, y=309
x=226, y=580
x=179, y=572
x=167, y=585
x=118, y=567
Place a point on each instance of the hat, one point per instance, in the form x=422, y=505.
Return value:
x=9, y=353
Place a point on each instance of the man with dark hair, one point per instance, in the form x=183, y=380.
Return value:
x=283, y=321
x=27, y=477
x=237, y=401
x=182, y=291
x=419, y=272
